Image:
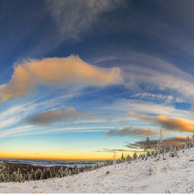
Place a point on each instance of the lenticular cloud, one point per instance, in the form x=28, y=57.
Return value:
x=57, y=72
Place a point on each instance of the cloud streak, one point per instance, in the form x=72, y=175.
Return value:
x=57, y=72
x=130, y=131
x=172, y=124
x=68, y=116
x=177, y=140
x=142, y=107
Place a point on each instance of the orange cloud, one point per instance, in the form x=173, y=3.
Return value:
x=173, y=124
x=57, y=72
x=177, y=140
x=140, y=132
x=67, y=116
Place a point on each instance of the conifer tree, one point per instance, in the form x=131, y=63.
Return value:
x=49, y=173
x=60, y=172
x=122, y=158
x=134, y=156
x=128, y=158
x=147, y=145
x=32, y=174
x=38, y=174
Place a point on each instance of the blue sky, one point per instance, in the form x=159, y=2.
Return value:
x=81, y=78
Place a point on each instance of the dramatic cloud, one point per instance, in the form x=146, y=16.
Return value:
x=130, y=131
x=57, y=72
x=173, y=124
x=58, y=116
x=178, y=140
x=73, y=18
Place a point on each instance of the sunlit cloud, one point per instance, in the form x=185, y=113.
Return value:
x=67, y=116
x=177, y=140
x=57, y=72
x=172, y=124
x=133, y=131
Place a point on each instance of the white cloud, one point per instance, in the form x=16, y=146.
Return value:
x=31, y=130
x=17, y=131
x=138, y=106
x=17, y=113
x=73, y=17
x=156, y=97
x=156, y=74
x=151, y=76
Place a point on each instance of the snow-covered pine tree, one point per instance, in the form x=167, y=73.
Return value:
x=161, y=145
x=78, y=170
x=182, y=146
x=153, y=154
x=60, y=172
x=38, y=174
x=147, y=145
x=193, y=140
x=19, y=178
x=15, y=177
x=70, y=172
x=29, y=176
x=173, y=152
x=187, y=143
x=32, y=174
x=53, y=171
x=134, y=156
x=44, y=174
x=8, y=174
x=122, y=158
x=128, y=158
x=143, y=156
x=66, y=171
x=82, y=169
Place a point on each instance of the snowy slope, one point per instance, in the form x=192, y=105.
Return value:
x=171, y=175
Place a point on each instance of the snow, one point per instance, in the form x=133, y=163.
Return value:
x=163, y=176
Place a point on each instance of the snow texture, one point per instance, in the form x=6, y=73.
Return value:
x=150, y=176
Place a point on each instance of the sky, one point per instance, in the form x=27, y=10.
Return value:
x=82, y=78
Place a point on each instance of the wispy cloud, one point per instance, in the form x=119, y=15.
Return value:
x=156, y=73
x=33, y=130
x=57, y=72
x=147, y=96
x=16, y=114
x=140, y=106
x=17, y=131
x=151, y=77
x=73, y=18
x=172, y=124
x=132, y=131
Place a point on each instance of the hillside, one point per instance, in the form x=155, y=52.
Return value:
x=170, y=175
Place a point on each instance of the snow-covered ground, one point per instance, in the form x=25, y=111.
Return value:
x=170, y=175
